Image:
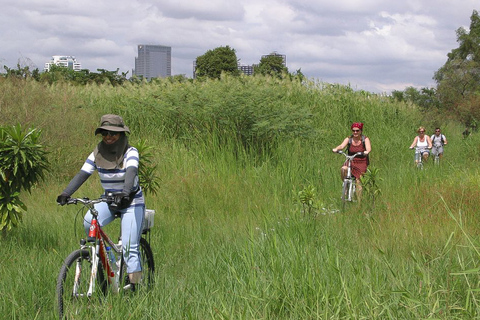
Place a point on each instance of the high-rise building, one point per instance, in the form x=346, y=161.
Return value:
x=153, y=61
x=63, y=61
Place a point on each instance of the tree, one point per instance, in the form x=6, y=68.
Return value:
x=425, y=97
x=272, y=64
x=469, y=48
x=21, y=72
x=458, y=81
x=216, y=61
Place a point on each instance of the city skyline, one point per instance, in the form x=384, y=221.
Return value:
x=163, y=70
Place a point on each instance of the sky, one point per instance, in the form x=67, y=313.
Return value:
x=373, y=45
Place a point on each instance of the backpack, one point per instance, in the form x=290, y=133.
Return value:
x=441, y=137
x=364, y=147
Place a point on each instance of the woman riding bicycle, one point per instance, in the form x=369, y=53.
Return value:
x=423, y=143
x=117, y=165
x=357, y=142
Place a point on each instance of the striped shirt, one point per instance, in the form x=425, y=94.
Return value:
x=112, y=180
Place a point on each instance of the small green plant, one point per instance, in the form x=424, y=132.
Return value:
x=23, y=163
x=370, y=184
x=147, y=170
x=306, y=197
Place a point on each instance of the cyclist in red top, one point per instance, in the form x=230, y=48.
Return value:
x=357, y=142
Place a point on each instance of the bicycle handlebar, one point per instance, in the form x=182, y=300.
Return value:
x=358, y=154
x=89, y=203
x=417, y=149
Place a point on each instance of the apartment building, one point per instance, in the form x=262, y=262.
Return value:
x=63, y=61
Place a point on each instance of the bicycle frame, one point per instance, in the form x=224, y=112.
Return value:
x=98, y=251
x=419, y=157
x=349, y=182
x=436, y=155
x=100, y=238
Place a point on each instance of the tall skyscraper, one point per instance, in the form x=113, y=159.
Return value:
x=153, y=61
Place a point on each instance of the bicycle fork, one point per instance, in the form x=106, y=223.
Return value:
x=351, y=193
x=351, y=184
x=98, y=255
x=349, y=189
x=95, y=250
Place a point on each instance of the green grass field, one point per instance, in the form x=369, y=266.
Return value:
x=231, y=239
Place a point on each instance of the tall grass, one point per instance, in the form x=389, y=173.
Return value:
x=230, y=241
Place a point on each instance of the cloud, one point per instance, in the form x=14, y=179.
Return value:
x=213, y=10
x=373, y=45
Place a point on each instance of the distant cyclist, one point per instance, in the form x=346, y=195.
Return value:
x=438, y=141
x=423, y=143
x=357, y=142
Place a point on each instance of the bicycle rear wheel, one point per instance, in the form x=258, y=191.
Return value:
x=73, y=282
x=148, y=267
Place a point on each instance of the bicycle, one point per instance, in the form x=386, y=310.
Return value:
x=96, y=265
x=419, y=157
x=436, y=154
x=349, y=182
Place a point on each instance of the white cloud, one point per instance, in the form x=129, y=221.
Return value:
x=373, y=45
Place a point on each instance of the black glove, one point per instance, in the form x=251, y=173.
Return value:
x=63, y=199
x=122, y=200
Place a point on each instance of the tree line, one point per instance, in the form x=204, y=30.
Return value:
x=458, y=81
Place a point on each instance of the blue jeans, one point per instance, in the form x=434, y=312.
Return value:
x=132, y=221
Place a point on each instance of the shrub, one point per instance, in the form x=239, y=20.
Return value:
x=22, y=164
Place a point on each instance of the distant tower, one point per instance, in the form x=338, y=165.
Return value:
x=154, y=61
x=63, y=61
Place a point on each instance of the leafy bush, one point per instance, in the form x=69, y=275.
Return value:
x=147, y=170
x=22, y=164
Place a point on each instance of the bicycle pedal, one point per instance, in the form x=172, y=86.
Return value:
x=130, y=287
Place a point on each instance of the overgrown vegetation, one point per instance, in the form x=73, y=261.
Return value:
x=228, y=240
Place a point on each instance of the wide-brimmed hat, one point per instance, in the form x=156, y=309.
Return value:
x=112, y=122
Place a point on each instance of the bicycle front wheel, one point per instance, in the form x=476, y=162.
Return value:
x=420, y=165
x=345, y=191
x=73, y=283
